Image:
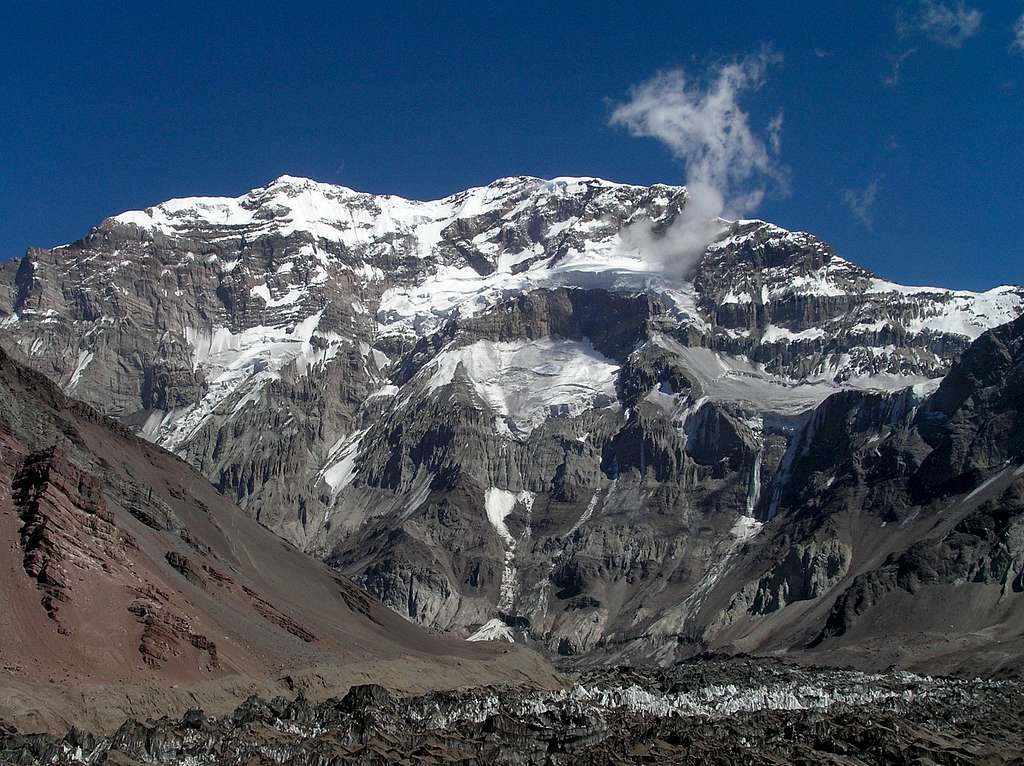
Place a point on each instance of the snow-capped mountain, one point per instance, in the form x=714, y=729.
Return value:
x=496, y=410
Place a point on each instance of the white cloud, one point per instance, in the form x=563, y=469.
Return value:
x=1018, y=34
x=945, y=23
x=861, y=202
x=729, y=167
x=896, y=62
x=775, y=132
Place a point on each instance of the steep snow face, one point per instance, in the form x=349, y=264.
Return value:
x=459, y=290
x=525, y=382
x=587, y=254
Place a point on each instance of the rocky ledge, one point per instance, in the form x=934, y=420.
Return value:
x=709, y=711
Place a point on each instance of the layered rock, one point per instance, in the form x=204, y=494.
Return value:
x=66, y=527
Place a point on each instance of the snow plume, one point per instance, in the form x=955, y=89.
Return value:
x=676, y=248
x=728, y=165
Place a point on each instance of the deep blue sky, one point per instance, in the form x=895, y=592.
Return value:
x=106, y=107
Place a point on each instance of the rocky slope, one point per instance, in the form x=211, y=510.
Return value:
x=508, y=415
x=131, y=587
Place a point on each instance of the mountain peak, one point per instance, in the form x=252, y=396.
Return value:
x=289, y=182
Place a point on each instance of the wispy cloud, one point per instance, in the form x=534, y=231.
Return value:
x=822, y=53
x=728, y=166
x=861, y=202
x=947, y=24
x=896, y=62
x=1018, y=35
x=775, y=132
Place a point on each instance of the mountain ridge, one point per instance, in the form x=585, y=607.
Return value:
x=143, y=217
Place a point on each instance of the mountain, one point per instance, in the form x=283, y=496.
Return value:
x=512, y=413
x=132, y=588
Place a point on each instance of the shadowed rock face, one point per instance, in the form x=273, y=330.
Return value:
x=491, y=413
x=133, y=588
x=709, y=712
x=914, y=511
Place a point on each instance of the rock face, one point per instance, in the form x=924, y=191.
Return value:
x=920, y=506
x=131, y=585
x=500, y=418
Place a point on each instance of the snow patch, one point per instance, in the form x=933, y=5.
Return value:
x=588, y=512
x=745, y=528
x=493, y=630
x=776, y=334
x=498, y=504
x=262, y=292
x=339, y=470
x=84, y=359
